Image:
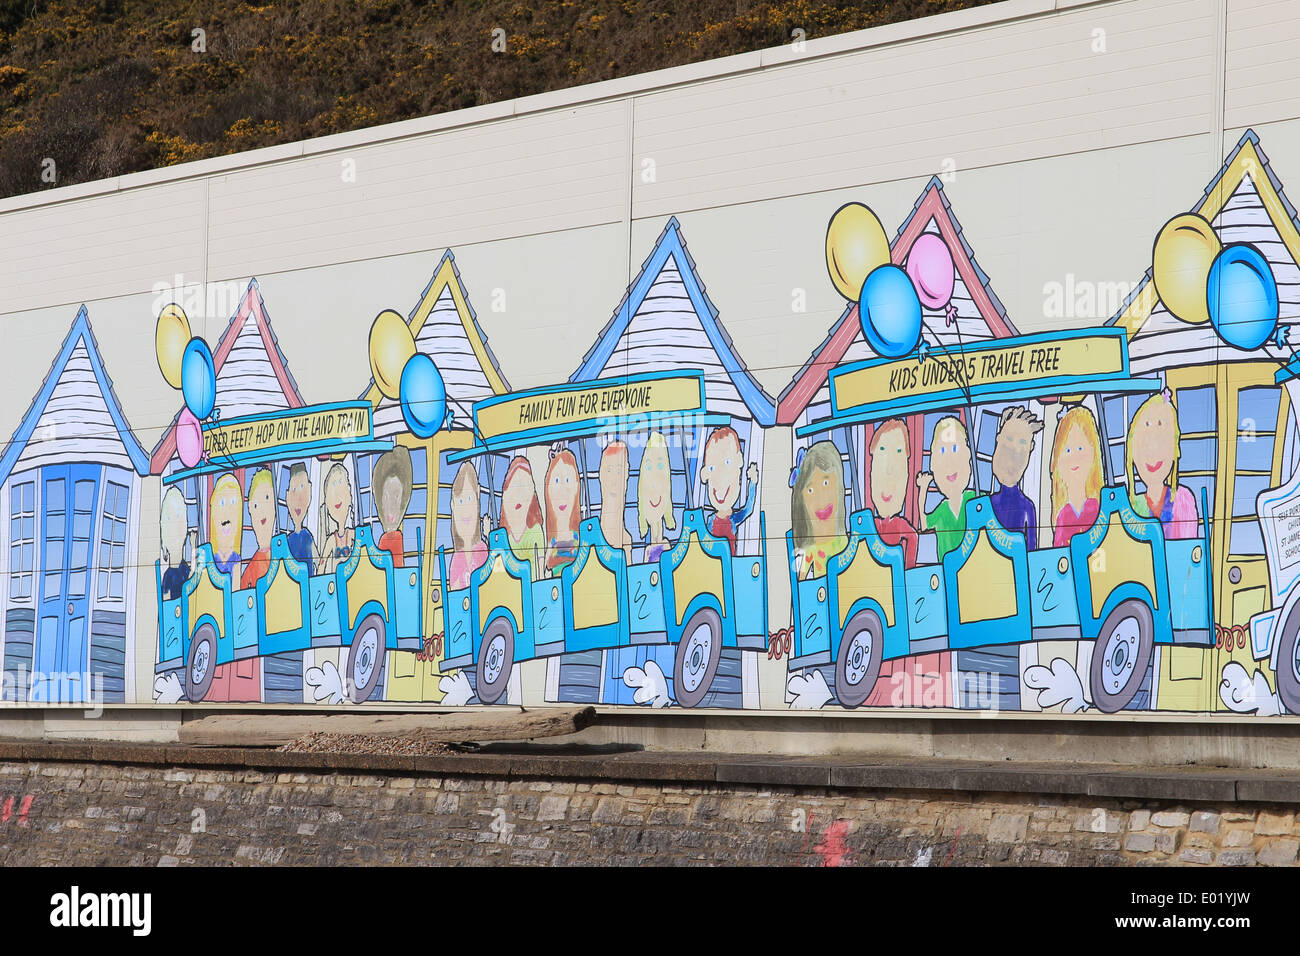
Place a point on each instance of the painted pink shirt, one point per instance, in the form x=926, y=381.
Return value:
x=1070, y=522
x=465, y=563
x=1182, y=522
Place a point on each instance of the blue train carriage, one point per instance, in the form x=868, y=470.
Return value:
x=695, y=596
x=1119, y=583
x=365, y=604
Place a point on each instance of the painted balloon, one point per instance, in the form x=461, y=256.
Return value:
x=1180, y=265
x=1241, y=297
x=198, y=378
x=890, y=312
x=391, y=347
x=170, y=337
x=855, y=244
x=423, y=396
x=189, y=439
x=931, y=269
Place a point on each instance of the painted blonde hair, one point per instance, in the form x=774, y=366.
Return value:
x=654, y=442
x=1159, y=398
x=262, y=477
x=336, y=472
x=1077, y=417
x=173, y=506
x=225, y=481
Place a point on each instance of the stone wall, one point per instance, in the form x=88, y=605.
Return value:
x=88, y=813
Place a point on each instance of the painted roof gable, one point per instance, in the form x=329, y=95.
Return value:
x=252, y=375
x=75, y=416
x=980, y=313
x=666, y=322
x=446, y=328
x=1244, y=203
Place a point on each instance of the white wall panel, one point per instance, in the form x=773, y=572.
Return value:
x=1020, y=91
x=119, y=244
x=531, y=174
x=1262, y=79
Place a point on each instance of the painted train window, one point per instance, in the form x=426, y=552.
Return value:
x=1257, y=414
x=22, y=539
x=1198, y=421
x=112, y=540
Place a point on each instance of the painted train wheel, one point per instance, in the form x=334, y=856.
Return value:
x=698, y=655
x=1121, y=655
x=202, y=662
x=857, y=666
x=365, y=657
x=1288, y=661
x=496, y=659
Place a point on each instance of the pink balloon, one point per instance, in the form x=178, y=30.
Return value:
x=930, y=267
x=189, y=439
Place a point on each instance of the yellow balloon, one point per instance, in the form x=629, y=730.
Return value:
x=855, y=245
x=391, y=346
x=1180, y=265
x=171, y=336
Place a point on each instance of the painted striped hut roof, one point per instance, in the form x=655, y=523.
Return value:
x=666, y=322
x=1244, y=203
x=446, y=328
x=980, y=313
x=76, y=416
x=252, y=374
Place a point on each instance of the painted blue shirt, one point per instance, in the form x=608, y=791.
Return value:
x=1015, y=512
x=300, y=545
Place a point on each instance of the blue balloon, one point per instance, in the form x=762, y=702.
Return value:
x=423, y=396
x=198, y=378
x=890, y=311
x=1242, y=297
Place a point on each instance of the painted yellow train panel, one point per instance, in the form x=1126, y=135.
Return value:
x=697, y=574
x=866, y=577
x=986, y=584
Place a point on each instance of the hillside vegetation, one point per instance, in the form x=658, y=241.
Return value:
x=99, y=88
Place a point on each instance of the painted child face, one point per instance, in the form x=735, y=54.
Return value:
x=820, y=500
x=1077, y=458
x=390, y=502
x=464, y=511
x=174, y=528
x=227, y=516
x=338, y=498
x=655, y=483
x=1011, y=454
x=613, y=476
x=1152, y=441
x=720, y=472
x=889, y=473
x=562, y=491
x=950, y=461
x=261, y=509
x=516, y=496
x=298, y=498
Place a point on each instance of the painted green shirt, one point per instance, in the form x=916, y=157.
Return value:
x=949, y=528
x=530, y=547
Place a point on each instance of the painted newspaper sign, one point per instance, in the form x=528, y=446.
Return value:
x=1092, y=517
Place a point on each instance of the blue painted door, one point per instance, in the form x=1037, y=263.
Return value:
x=68, y=500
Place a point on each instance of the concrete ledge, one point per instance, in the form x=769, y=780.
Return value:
x=1182, y=784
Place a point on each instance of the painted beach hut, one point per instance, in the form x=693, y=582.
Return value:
x=978, y=315
x=1237, y=424
x=70, y=485
x=666, y=323
x=252, y=377
x=445, y=327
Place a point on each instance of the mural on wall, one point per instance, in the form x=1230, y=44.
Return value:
x=70, y=483
x=660, y=430
x=1082, y=519
x=1073, y=514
